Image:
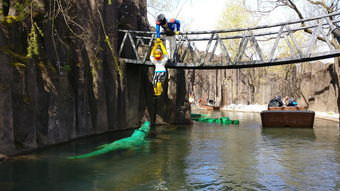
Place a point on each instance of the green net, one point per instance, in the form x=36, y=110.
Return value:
x=197, y=115
x=223, y=120
x=136, y=139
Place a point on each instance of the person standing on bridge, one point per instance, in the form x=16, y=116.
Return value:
x=171, y=28
x=159, y=57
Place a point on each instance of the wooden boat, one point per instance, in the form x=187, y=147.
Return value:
x=216, y=107
x=287, y=117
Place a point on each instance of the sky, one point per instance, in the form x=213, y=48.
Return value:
x=196, y=14
x=202, y=14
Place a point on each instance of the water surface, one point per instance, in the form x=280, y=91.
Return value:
x=198, y=157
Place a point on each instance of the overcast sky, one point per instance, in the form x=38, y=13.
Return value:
x=205, y=14
x=196, y=14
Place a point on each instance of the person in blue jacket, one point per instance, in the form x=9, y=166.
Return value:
x=171, y=28
x=292, y=102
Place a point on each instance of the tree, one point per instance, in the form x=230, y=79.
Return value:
x=304, y=9
x=156, y=7
x=234, y=16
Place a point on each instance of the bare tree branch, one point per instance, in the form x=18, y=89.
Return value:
x=290, y=3
x=321, y=3
x=294, y=7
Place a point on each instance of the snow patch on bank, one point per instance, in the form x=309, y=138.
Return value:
x=242, y=107
x=259, y=108
x=327, y=115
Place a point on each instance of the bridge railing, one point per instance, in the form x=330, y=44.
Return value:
x=244, y=47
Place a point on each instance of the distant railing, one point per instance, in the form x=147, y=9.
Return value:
x=243, y=47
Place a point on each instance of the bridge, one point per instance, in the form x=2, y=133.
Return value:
x=244, y=47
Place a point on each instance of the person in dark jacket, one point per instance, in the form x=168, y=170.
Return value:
x=276, y=102
x=292, y=102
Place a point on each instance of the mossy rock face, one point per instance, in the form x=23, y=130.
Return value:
x=19, y=65
x=4, y=86
x=10, y=19
x=20, y=145
x=48, y=67
x=23, y=99
x=41, y=65
x=67, y=67
x=9, y=52
x=26, y=99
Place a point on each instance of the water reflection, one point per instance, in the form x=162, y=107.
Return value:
x=199, y=157
x=294, y=159
x=287, y=134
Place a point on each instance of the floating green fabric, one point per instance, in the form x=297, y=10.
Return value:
x=223, y=120
x=136, y=139
x=197, y=115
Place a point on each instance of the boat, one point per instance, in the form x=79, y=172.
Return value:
x=216, y=108
x=296, y=117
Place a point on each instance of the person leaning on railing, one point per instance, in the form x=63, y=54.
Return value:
x=171, y=28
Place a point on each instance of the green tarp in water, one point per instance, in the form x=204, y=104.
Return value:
x=197, y=115
x=136, y=139
x=223, y=120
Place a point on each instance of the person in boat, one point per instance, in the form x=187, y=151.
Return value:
x=285, y=101
x=292, y=102
x=210, y=102
x=159, y=59
x=171, y=28
x=276, y=102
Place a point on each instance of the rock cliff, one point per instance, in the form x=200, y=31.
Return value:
x=315, y=85
x=60, y=77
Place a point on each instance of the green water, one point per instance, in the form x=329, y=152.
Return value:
x=198, y=157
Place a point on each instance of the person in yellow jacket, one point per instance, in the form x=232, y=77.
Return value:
x=159, y=58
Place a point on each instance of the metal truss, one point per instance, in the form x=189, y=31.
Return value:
x=241, y=48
